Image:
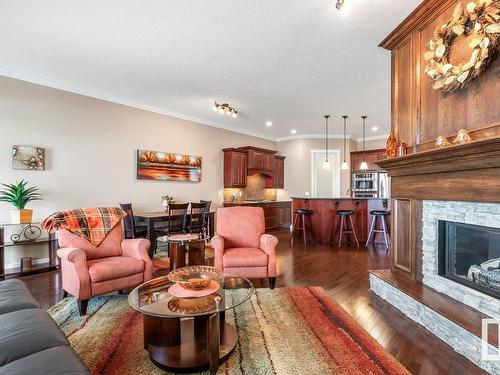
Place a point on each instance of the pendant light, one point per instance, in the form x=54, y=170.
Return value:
x=345, y=164
x=326, y=164
x=364, y=165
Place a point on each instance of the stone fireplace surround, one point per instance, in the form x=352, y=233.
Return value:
x=484, y=214
x=461, y=340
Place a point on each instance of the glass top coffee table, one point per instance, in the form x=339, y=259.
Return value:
x=186, y=334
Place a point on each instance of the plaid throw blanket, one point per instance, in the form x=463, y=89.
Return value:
x=93, y=224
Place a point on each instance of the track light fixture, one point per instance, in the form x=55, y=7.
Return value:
x=225, y=108
x=339, y=4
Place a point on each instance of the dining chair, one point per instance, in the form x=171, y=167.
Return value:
x=176, y=221
x=207, y=211
x=208, y=203
x=197, y=218
x=130, y=229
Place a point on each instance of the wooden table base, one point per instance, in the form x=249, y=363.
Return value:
x=189, y=345
x=195, y=252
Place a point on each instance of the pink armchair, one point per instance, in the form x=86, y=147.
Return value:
x=114, y=265
x=241, y=246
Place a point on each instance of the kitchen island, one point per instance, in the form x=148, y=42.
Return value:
x=324, y=218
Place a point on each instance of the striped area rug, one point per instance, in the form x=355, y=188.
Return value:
x=282, y=331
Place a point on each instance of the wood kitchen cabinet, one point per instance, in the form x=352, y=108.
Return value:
x=276, y=214
x=279, y=177
x=235, y=169
x=246, y=161
x=284, y=215
x=255, y=159
x=371, y=157
x=356, y=160
x=261, y=160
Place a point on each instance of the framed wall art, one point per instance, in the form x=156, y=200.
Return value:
x=164, y=166
x=28, y=158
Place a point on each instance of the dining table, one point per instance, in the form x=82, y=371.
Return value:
x=150, y=218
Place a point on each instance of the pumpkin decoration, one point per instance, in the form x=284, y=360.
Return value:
x=442, y=141
x=480, y=20
x=462, y=137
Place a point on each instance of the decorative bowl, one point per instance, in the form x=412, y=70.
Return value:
x=192, y=306
x=195, y=277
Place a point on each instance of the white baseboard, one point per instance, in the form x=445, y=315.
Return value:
x=8, y=266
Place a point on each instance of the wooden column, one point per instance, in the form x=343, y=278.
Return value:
x=406, y=256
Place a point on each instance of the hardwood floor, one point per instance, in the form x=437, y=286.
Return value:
x=343, y=274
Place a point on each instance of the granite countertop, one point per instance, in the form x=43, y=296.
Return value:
x=342, y=198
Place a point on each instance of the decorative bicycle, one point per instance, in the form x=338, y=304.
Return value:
x=28, y=233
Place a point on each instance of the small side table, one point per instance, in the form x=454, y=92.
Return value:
x=192, y=244
x=27, y=235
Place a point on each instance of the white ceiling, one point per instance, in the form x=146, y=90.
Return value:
x=285, y=61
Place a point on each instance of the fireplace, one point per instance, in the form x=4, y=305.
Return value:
x=470, y=255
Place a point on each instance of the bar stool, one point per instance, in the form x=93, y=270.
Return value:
x=345, y=221
x=300, y=216
x=382, y=214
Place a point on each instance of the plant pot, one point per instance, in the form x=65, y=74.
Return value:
x=21, y=216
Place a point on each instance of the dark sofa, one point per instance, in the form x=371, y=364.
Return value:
x=30, y=341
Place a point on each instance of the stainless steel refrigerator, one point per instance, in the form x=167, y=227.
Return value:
x=384, y=186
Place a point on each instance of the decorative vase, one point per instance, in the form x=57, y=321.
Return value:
x=23, y=216
x=164, y=203
x=391, y=146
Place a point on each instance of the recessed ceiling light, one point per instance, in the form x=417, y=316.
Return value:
x=269, y=123
x=293, y=131
x=374, y=128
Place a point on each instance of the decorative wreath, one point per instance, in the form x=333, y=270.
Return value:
x=480, y=18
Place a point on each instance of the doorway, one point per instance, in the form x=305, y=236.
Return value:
x=325, y=183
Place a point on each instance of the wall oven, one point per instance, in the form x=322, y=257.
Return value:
x=364, y=183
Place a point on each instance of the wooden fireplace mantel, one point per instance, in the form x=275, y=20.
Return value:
x=467, y=172
x=474, y=155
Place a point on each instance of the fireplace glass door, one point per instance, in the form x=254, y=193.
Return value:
x=470, y=255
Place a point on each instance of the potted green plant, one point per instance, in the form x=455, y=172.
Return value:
x=19, y=195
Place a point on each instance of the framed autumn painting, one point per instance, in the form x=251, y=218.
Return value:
x=164, y=166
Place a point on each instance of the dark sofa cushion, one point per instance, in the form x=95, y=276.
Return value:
x=15, y=296
x=60, y=360
x=26, y=332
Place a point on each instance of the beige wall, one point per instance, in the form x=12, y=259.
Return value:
x=90, y=149
x=298, y=164
x=372, y=145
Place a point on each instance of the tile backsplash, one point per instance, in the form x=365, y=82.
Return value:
x=255, y=190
